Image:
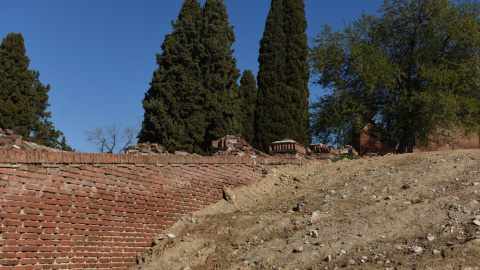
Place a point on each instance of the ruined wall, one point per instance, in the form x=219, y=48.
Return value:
x=77, y=211
x=458, y=141
x=369, y=144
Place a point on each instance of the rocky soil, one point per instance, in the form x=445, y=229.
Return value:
x=412, y=211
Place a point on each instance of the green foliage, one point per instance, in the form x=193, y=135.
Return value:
x=174, y=115
x=297, y=71
x=220, y=74
x=411, y=70
x=342, y=157
x=248, y=97
x=192, y=98
x=23, y=98
x=282, y=103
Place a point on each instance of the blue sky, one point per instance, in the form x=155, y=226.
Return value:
x=99, y=56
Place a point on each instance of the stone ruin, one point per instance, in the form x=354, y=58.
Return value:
x=146, y=148
x=10, y=140
x=292, y=149
x=235, y=146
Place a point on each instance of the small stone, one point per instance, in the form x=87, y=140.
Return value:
x=451, y=244
x=315, y=216
x=406, y=186
x=436, y=252
x=476, y=222
x=477, y=217
x=343, y=252
x=332, y=191
x=416, y=249
x=314, y=233
x=328, y=258
x=171, y=235
x=351, y=262
x=298, y=250
x=430, y=237
x=228, y=195
x=186, y=268
x=363, y=259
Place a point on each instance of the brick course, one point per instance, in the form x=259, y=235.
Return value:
x=79, y=210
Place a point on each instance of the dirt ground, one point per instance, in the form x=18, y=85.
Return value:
x=411, y=211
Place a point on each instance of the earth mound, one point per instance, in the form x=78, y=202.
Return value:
x=411, y=211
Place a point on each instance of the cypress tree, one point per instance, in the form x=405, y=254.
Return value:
x=23, y=98
x=220, y=74
x=174, y=115
x=270, y=118
x=282, y=104
x=297, y=72
x=248, y=98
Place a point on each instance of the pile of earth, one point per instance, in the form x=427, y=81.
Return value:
x=410, y=211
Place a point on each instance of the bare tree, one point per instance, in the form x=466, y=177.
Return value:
x=111, y=138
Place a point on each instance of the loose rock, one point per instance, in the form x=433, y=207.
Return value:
x=416, y=249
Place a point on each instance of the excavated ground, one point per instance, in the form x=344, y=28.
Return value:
x=411, y=211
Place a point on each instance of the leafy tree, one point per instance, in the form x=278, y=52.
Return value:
x=411, y=70
x=23, y=98
x=220, y=74
x=282, y=103
x=248, y=98
x=174, y=114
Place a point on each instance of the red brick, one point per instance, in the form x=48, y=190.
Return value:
x=8, y=262
x=28, y=261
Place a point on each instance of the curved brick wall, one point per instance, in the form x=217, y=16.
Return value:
x=77, y=211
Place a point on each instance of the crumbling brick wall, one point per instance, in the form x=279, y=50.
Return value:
x=369, y=144
x=458, y=141
x=98, y=211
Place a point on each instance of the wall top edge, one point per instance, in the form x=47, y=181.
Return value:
x=11, y=156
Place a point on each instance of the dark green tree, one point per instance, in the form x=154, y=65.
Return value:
x=270, y=114
x=248, y=98
x=220, y=74
x=297, y=71
x=412, y=70
x=174, y=113
x=282, y=103
x=23, y=98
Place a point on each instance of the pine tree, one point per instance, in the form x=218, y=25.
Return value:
x=174, y=115
x=23, y=98
x=270, y=114
x=220, y=74
x=248, y=98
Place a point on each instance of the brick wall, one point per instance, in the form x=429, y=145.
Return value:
x=458, y=141
x=77, y=211
x=369, y=144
